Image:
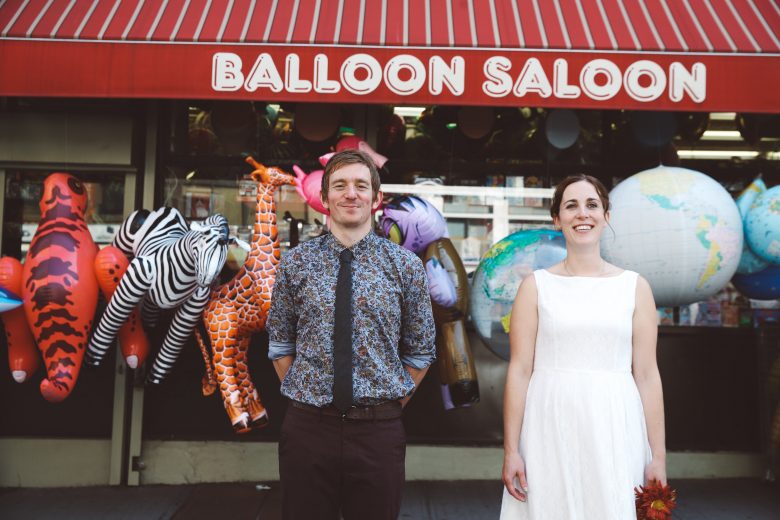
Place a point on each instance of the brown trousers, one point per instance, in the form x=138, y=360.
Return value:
x=328, y=465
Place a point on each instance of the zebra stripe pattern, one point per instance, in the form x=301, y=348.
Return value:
x=172, y=267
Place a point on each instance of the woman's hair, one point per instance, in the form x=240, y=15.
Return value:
x=601, y=190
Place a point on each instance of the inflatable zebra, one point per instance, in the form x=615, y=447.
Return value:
x=171, y=266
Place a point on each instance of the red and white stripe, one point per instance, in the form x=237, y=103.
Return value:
x=734, y=26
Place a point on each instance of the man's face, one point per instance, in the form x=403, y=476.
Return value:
x=350, y=199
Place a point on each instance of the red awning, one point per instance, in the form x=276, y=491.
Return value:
x=653, y=54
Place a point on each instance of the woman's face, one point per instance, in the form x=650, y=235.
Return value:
x=581, y=216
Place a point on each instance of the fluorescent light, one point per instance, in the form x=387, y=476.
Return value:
x=721, y=135
x=723, y=116
x=408, y=111
x=190, y=175
x=717, y=154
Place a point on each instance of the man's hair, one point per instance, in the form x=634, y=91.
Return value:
x=345, y=158
x=601, y=190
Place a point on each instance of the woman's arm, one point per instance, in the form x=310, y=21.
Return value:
x=522, y=342
x=648, y=379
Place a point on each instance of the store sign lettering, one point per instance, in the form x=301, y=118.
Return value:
x=404, y=74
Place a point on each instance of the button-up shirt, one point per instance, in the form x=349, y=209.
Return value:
x=392, y=322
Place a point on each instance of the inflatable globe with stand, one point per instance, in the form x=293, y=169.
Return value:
x=499, y=275
x=679, y=229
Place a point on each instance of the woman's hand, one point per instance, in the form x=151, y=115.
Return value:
x=656, y=470
x=514, y=467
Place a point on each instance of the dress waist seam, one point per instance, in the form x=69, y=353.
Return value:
x=580, y=370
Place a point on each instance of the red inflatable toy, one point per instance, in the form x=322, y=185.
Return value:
x=60, y=289
x=23, y=359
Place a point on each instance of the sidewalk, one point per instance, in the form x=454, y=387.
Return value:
x=728, y=499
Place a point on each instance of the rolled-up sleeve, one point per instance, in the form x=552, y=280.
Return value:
x=418, y=332
x=282, y=317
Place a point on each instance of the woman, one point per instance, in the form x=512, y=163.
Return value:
x=583, y=405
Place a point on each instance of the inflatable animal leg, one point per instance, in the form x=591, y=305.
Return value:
x=132, y=286
x=23, y=357
x=110, y=266
x=182, y=325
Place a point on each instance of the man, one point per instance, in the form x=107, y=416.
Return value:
x=351, y=336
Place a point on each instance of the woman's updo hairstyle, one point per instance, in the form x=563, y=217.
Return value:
x=601, y=190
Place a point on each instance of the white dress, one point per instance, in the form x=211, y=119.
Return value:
x=583, y=439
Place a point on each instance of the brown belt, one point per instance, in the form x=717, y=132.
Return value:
x=377, y=412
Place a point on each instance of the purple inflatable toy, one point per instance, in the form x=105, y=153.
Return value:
x=413, y=223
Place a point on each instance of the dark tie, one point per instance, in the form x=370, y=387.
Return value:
x=342, y=335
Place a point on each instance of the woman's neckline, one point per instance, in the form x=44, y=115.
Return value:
x=621, y=273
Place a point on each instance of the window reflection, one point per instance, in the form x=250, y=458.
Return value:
x=105, y=192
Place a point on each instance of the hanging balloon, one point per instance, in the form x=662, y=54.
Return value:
x=309, y=187
x=61, y=291
x=459, y=384
x=316, y=122
x=562, y=128
x=23, y=356
x=762, y=285
x=475, y=122
x=353, y=142
x=750, y=263
x=692, y=125
x=653, y=129
x=235, y=124
x=762, y=225
x=412, y=222
x=754, y=127
x=391, y=135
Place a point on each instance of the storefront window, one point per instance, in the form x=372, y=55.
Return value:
x=23, y=190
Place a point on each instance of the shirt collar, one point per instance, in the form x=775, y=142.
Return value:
x=358, y=248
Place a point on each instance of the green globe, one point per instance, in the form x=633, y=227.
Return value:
x=499, y=275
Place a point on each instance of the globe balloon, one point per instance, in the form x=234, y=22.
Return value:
x=499, y=275
x=678, y=228
x=762, y=225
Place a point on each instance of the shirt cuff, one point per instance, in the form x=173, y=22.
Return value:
x=280, y=349
x=417, y=362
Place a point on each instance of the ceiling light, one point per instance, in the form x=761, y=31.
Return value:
x=721, y=135
x=408, y=111
x=723, y=116
x=717, y=154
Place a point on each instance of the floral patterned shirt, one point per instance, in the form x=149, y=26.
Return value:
x=392, y=322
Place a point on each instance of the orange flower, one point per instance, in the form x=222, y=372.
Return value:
x=654, y=501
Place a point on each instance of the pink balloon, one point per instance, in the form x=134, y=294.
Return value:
x=353, y=142
x=309, y=188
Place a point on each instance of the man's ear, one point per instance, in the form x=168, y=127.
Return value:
x=324, y=200
x=377, y=201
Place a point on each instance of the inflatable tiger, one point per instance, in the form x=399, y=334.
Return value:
x=60, y=290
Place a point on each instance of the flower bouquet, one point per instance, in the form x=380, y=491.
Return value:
x=655, y=501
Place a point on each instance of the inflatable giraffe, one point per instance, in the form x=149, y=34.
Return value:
x=239, y=309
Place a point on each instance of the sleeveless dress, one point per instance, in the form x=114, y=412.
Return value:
x=583, y=439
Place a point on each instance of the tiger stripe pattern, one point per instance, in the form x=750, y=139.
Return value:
x=60, y=288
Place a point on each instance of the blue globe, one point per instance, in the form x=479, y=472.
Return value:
x=749, y=262
x=763, y=285
x=762, y=225
x=499, y=275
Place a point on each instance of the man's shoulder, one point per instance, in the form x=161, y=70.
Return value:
x=397, y=252
x=305, y=249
